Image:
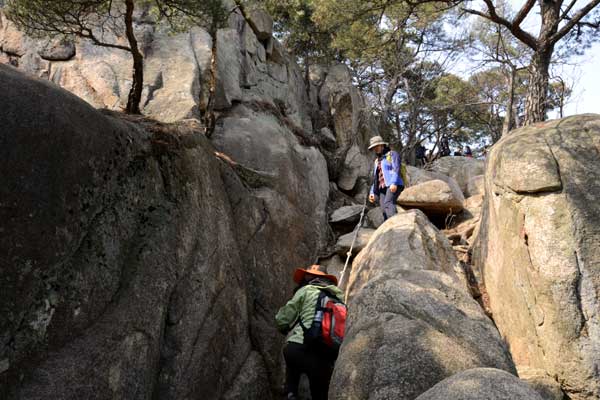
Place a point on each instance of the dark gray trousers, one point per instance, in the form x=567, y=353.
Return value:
x=387, y=201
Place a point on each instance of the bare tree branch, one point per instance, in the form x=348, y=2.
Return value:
x=523, y=12
x=516, y=30
x=568, y=9
x=574, y=21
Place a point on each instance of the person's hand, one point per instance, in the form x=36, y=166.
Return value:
x=372, y=198
x=393, y=188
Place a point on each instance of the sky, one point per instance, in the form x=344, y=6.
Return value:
x=586, y=93
x=583, y=71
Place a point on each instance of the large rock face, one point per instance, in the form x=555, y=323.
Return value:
x=481, y=383
x=461, y=169
x=250, y=67
x=356, y=166
x=176, y=68
x=298, y=174
x=417, y=175
x=539, y=249
x=343, y=101
x=343, y=109
x=434, y=197
x=128, y=249
x=345, y=241
x=412, y=323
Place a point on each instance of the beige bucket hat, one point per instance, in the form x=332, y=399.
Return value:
x=375, y=141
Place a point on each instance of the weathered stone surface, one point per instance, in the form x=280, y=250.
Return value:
x=464, y=227
x=413, y=323
x=244, y=386
x=177, y=70
x=57, y=49
x=99, y=75
x=539, y=252
x=343, y=102
x=472, y=210
x=479, y=384
x=435, y=197
x=32, y=64
x=12, y=41
x=275, y=51
x=174, y=94
x=262, y=24
x=375, y=216
x=127, y=249
x=346, y=214
x=356, y=165
x=229, y=69
x=529, y=166
x=418, y=175
x=475, y=186
x=545, y=385
x=334, y=265
x=118, y=283
x=276, y=85
x=284, y=202
x=260, y=141
x=345, y=241
x=6, y=59
x=338, y=199
x=328, y=138
x=317, y=74
x=387, y=247
x=461, y=169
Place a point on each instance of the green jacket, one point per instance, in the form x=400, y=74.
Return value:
x=303, y=305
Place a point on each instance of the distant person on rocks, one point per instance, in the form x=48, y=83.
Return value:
x=468, y=152
x=444, y=147
x=303, y=353
x=420, y=155
x=484, y=152
x=387, y=177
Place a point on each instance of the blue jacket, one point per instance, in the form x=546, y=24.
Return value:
x=390, y=164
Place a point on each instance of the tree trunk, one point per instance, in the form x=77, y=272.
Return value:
x=307, y=75
x=508, y=123
x=537, y=93
x=398, y=122
x=411, y=141
x=135, y=93
x=389, y=99
x=561, y=99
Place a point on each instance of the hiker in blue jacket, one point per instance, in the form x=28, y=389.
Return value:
x=387, y=178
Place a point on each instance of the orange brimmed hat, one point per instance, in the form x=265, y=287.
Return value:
x=315, y=269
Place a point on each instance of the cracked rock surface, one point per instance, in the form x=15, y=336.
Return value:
x=538, y=249
x=413, y=322
x=137, y=264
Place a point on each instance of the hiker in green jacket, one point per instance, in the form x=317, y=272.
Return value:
x=298, y=315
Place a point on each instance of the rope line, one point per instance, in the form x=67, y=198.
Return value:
x=349, y=253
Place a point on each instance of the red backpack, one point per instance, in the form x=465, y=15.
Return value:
x=329, y=323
